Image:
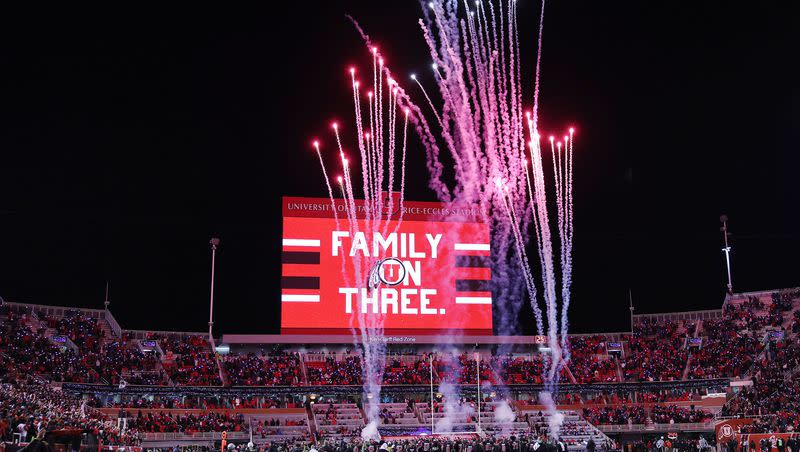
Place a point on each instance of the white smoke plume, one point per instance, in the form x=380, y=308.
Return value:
x=504, y=415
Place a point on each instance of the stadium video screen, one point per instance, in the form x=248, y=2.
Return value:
x=442, y=269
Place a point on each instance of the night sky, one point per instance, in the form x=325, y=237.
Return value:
x=129, y=139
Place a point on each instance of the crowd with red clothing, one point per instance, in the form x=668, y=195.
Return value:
x=669, y=414
x=189, y=360
x=520, y=370
x=731, y=343
x=775, y=395
x=87, y=358
x=637, y=414
x=211, y=421
x=464, y=368
x=589, y=361
x=273, y=369
x=31, y=406
x=656, y=351
x=407, y=372
x=619, y=415
x=332, y=371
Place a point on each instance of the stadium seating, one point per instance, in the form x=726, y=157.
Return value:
x=671, y=367
x=337, y=420
x=589, y=360
x=279, y=369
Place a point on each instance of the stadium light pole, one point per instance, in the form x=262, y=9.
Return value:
x=630, y=301
x=727, y=249
x=478, y=372
x=432, y=420
x=214, y=242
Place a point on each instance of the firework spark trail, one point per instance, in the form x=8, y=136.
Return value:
x=532, y=213
x=477, y=70
x=380, y=151
x=391, y=142
x=473, y=151
x=455, y=93
x=371, y=163
x=448, y=97
x=559, y=169
x=369, y=218
x=359, y=133
x=538, y=70
x=524, y=264
x=402, y=172
x=327, y=183
x=548, y=274
x=373, y=153
x=430, y=102
x=523, y=259
x=368, y=345
x=566, y=281
x=489, y=50
x=559, y=192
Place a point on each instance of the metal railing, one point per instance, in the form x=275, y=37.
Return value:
x=202, y=436
x=686, y=315
x=112, y=323
x=628, y=428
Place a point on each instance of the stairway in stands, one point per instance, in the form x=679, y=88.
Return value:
x=575, y=430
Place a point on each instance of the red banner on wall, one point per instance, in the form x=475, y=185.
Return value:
x=730, y=428
x=442, y=266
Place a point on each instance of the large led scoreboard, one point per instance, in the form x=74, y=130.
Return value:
x=441, y=268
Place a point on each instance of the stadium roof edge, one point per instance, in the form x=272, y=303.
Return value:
x=702, y=313
x=173, y=333
x=52, y=306
x=761, y=292
x=321, y=339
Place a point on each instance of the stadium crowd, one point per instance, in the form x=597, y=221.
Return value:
x=167, y=422
x=30, y=407
x=657, y=351
x=751, y=338
x=615, y=415
x=589, y=361
x=274, y=369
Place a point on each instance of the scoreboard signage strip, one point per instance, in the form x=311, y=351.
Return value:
x=472, y=285
x=300, y=270
x=300, y=257
x=299, y=292
x=300, y=282
x=471, y=247
x=474, y=300
x=473, y=261
x=295, y=298
x=473, y=273
x=295, y=207
x=304, y=243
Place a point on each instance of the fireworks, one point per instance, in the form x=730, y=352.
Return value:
x=497, y=162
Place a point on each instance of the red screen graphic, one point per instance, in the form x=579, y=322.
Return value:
x=444, y=253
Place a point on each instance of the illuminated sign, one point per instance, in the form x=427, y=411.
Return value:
x=429, y=272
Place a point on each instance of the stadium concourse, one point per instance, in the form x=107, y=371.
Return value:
x=676, y=374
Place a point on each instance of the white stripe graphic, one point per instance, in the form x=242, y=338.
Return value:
x=294, y=298
x=473, y=300
x=301, y=242
x=472, y=247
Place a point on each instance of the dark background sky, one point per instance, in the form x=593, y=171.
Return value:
x=130, y=138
